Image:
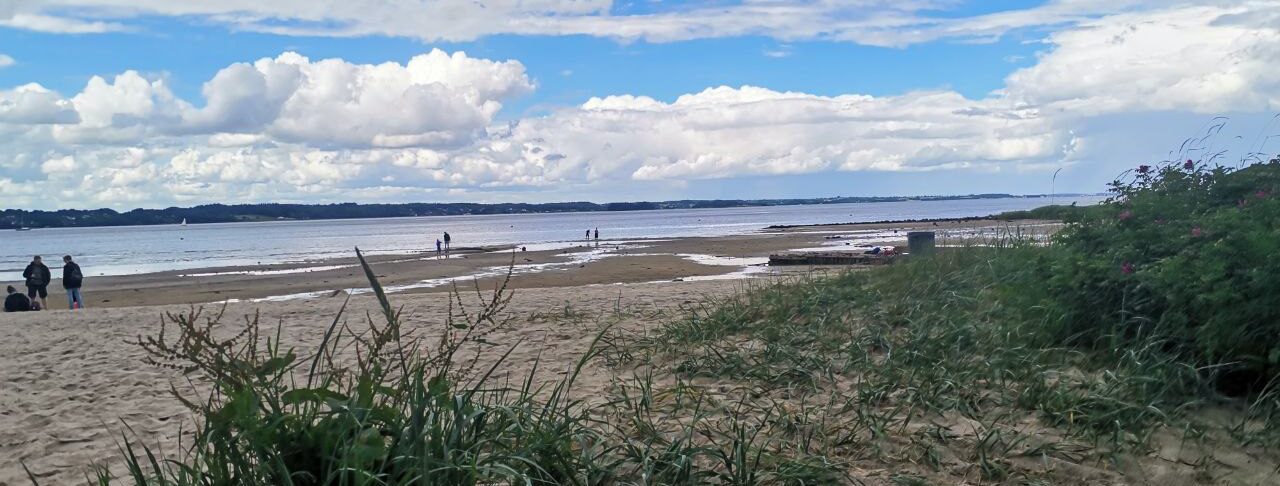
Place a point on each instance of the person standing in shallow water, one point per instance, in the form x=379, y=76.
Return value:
x=597, y=233
x=447, y=239
x=72, y=279
x=38, y=277
x=438, y=248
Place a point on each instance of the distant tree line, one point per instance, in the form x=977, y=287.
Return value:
x=225, y=213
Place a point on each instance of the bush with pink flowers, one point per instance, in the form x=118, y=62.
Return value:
x=1183, y=255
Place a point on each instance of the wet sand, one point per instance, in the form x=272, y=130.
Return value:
x=581, y=263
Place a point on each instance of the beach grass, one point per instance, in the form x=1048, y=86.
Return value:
x=1085, y=359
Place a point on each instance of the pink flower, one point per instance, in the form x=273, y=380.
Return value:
x=1125, y=215
x=1143, y=169
x=1126, y=268
x=1189, y=165
x=1195, y=232
x=1260, y=194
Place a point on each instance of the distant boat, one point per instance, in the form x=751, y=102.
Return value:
x=184, y=221
x=24, y=228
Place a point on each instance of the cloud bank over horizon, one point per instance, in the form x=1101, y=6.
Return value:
x=291, y=128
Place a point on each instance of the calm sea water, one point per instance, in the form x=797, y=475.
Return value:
x=142, y=249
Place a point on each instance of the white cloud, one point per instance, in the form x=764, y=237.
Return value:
x=871, y=22
x=32, y=104
x=434, y=99
x=290, y=128
x=53, y=24
x=1208, y=60
x=726, y=132
x=6, y=61
x=127, y=109
x=780, y=51
x=60, y=166
x=269, y=129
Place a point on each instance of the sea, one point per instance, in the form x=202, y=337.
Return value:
x=125, y=250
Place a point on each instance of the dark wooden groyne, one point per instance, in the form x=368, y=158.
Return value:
x=829, y=258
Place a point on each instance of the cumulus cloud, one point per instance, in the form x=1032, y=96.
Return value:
x=6, y=61
x=434, y=99
x=127, y=109
x=32, y=104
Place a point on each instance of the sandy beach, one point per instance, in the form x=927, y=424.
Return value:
x=72, y=385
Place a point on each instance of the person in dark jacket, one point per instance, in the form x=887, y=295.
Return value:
x=72, y=279
x=38, y=278
x=16, y=302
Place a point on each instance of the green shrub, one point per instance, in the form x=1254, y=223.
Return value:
x=1180, y=254
x=1057, y=212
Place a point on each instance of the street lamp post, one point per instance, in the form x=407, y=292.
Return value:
x=1053, y=191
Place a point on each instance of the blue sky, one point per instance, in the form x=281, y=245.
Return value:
x=559, y=100
x=568, y=69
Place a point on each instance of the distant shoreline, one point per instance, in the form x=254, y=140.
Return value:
x=989, y=217
x=12, y=219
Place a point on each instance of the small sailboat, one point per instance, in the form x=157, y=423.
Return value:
x=22, y=227
x=184, y=221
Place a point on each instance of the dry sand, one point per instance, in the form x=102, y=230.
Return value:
x=71, y=381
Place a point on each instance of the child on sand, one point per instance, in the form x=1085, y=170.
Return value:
x=16, y=301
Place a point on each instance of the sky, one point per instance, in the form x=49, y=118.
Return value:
x=156, y=103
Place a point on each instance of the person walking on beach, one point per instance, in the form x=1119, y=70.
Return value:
x=588, y=237
x=38, y=278
x=16, y=301
x=447, y=239
x=72, y=278
x=438, y=248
